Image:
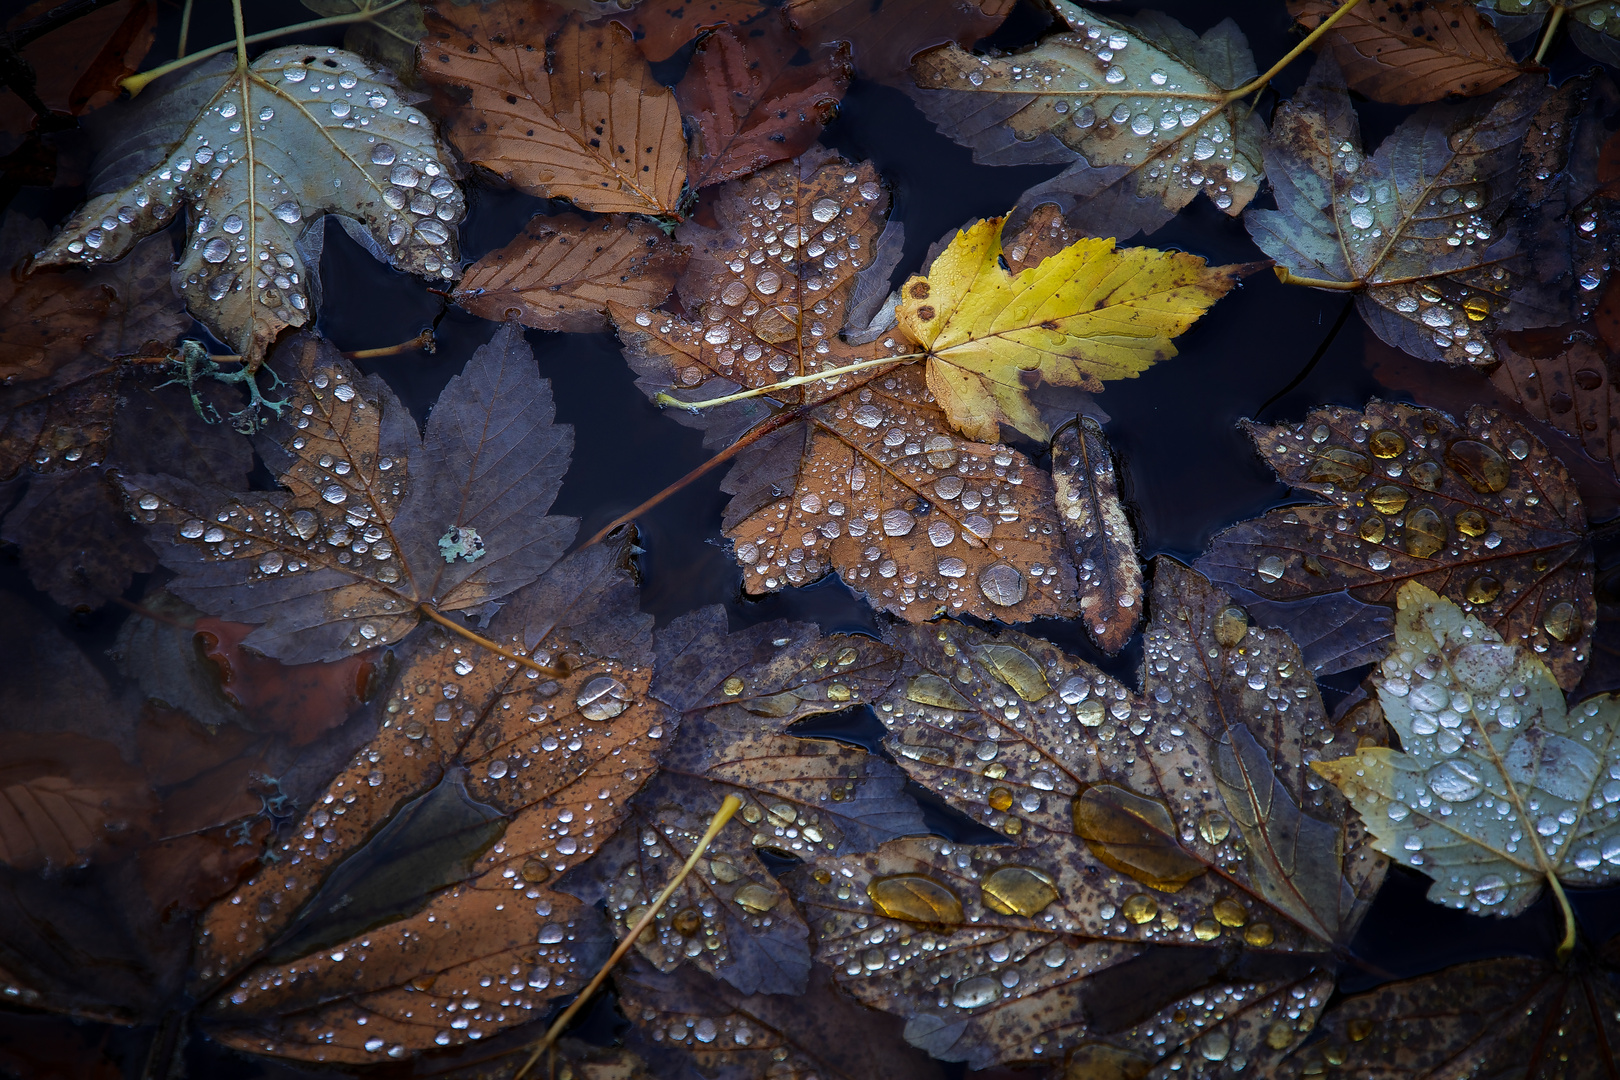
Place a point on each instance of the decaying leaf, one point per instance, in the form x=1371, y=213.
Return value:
x=1419, y=228
x=1493, y=792
x=1142, y=101
x=1594, y=25
x=1509, y=1016
x=390, y=37
x=1408, y=54
x=750, y=105
x=885, y=36
x=1161, y=848
x=375, y=521
x=557, y=108
x=1561, y=377
x=301, y=133
x=801, y=797
x=76, y=67
x=560, y=273
x=422, y=876
x=64, y=798
x=1483, y=513
x=1101, y=542
x=1085, y=314
x=661, y=29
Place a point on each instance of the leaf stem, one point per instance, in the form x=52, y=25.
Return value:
x=450, y=624
x=1551, y=29
x=759, y=431
x=1288, y=277
x=1567, y=945
x=785, y=384
x=136, y=83
x=185, y=30
x=1310, y=39
x=241, y=38
x=731, y=805
x=424, y=341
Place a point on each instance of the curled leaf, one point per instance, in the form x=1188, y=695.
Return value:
x=1100, y=539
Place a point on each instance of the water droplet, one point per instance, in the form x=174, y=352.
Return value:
x=216, y=250
x=1270, y=568
x=756, y=898
x=341, y=109
x=192, y=529
x=917, y=899
x=1017, y=669
x=1018, y=890
x=933, y=690
x=1387, y=444
x=897, y=522
x=1140, y=908
x=289, y=212
x=271, y=562
x=232, y=224
x=432, y=231
x=292, y=75
x=497, y=769
x=1425, y=533
x=1259, y=934
x=1339, y=465
x=824, y=210
x=974, y=992
x=768, y=282
x=1230, y=912
x=1562, y=622
x=1001, y=583
x=1470, y=523
x=1372, y=529
x=267, y=113
x=1484, y=590
x=1454, y=781
x=334, y=494
x=1484, y=470
x=1388, y=499
x=603, y=698
x=1361, y=217
x=1213, y=826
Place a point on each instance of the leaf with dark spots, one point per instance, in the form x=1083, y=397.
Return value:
x=1481, y=512
x=1100, y=540
x=885, y=36
x=750, y=105
x=1563, y=377
x=662, y=28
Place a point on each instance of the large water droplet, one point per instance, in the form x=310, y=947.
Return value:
x=216, y=250
x=824, y=210
x=917, y=899
x=1484, y=470
x=1018, y=890
x=603, y=698
x=1002, y=584
x=289, y=212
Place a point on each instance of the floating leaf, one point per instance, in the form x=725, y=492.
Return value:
x=569, y=111
x=1482, y=512
x=389, y=37
x=560, y=273
x=1419, y=229
x=375, y=522
x=1561, y=377
x=1394, y=52
x=1143, y=102
x=301, y=133
x=434, y=881
x=1100, y=539
x=1084, y=314
x=751, y=106
x=65, y=798
x=1594, y=25
x=1159, y=846
x=1493, y=793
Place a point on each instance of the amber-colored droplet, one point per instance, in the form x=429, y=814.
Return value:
x=1483, y=590
x=1000, y=798
x=917, y=899
x=1169, y=919
x=732, y=686
x=1012, y=826
x=847, y=657
x=1426, y=475
x=838, y=692
x=1213, y=826
x=1333, y=1054
x=995, y=770
x=1313, y=566
x=687, y=922
x=1017, y=669
x=535, y=871
x=1018, y=890
x=1372, y=529
x=1359, y=1028
x=1480, y=466
x=1099, y=1061
x=1339, y=465
x=751, y=813
x=936, y=691
x=423, y=983
x=1425, y=533
x=1206, y=929
x=1562, y=621
x=1135, y=836
x=1387, y=499
x=1259, y=934
x=1387, y=444
x=1476, y=308
x=1231, y=625
x=1141, y=908
x=756, y=898
x=822, y=875
x=1539, y=564
x=723, y=871
x=1279, y=1036
x=1470, y=523
x=1229, y=912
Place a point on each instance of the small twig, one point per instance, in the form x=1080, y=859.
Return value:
x=1310, y=39
x=1288, y=277
x=670, y=400
x=1553, y=20
x=723, y=815
x=423, y=341
x=185, y=30
x=518, y=658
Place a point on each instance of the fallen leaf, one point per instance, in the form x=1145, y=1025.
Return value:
x=1513, y=1014
x=76, y=67
x=1384, y=225
x=1133, y=136
x=376, y=521
x=484, y=782
x=886, y=35
x=1593, y=25
x=1101, y=543
x=1561, y=377
x=661, y=28
x=355, y=149
x=800, y=797
x=1161, y=847
x=560, y=273
x=296, y=701
x=1395, y=52
x=64, y=799
x=750, y=105
x=390, y=37
x=557, y=108
x=1492, y=794
x=1481, y=512
x=1086, y=313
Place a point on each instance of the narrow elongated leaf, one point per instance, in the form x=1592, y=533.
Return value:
x=1481, y=512
x=1492, y=794
x=1100, y=539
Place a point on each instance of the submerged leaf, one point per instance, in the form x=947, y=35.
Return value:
x=1494, y=792
x=1484, y=513
x=885, y=36
x=65, y=798
x=390, y=37
x=661, y=29
x=1159, y=847
x=1100, y=539
x=1593, y=25
x=272, y=148
x=1419, y=228
x=375, y=521
x=567, y=111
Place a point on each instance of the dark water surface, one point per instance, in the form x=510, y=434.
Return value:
x=1266, y=351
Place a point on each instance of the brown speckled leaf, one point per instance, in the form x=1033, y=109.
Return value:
x=434, y=880
x=1480, y=512
x=1099, y=536
x=558, y=108
x=1160, y=846
x=885, y=35
x=661, y=27
x=561, y=272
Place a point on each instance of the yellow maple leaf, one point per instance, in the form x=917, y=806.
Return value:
x=1087, y=313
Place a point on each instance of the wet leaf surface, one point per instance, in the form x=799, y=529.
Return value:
x=1101, y=541
x=1593, y=25
x=1481, y=512
x=390, y=38
x=661, y=29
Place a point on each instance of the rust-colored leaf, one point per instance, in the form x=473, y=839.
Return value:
x=76, y=67
x=750, y=105
x=1407, y=54
x=560, y=273
x=64, y=799
x=1099, y=536
x=558, y=108
x=662, y=27
x=1561, y=377
x=884, y=36
x=1480, y=512
x=1159, y=846
x=423, y=875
